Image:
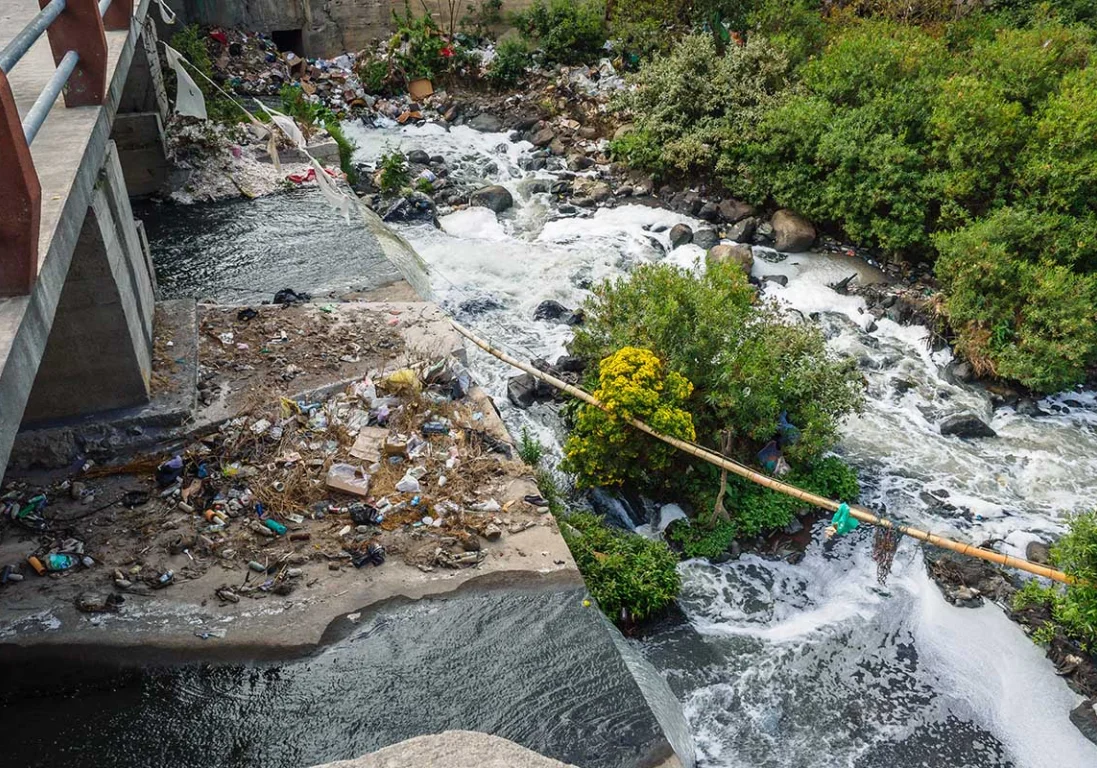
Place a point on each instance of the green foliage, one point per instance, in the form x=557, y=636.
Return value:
x=419, y=47
x=1018, y=313
x=631, y=577
x=190, y=41
x=747, y=363
x=1075, y=608
x=375, y=74
x=602, y=449
x=311, y=115
x=690, y=104
x=754, y=509
x=530, y=449
x=395, y=174
x=703, y=541
x=568, y=31
x=970, y=139
x=509, y=64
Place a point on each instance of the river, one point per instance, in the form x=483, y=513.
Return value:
x=814, y=664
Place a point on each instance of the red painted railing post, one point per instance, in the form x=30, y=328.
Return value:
x=20, y=202
x=80, y=28
x=119, y=15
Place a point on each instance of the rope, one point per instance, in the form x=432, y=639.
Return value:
x=719, y=460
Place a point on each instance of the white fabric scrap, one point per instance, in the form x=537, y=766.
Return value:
x=167, y=14
x=286, y=125
x=330, y=192
x=188, y=96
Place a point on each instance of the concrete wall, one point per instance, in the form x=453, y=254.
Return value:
x=329, y=27
x=99, y=352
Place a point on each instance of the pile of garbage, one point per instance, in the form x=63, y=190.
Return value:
x=396, y=465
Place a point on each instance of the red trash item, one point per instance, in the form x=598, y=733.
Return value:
x=309, y=175
x=220, y=37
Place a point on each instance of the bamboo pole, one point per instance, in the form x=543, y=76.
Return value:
x=724, y=462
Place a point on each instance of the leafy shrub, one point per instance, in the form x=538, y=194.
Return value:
x=311, y=115
x=529, y=449
x=395, y=174
x=480, y=17
x=747, y=363
x=632, y=383
x=703, y=541
x=694, y=101
x=419, y=47
x=568, y=31
x=509, y=64
x=640, y=150
x=1075, y=608
x=631, y=577
x=1017, y=313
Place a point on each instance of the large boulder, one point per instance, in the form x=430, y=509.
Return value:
x=706, y=238
x=524, y=390
x=418, y=157
x=743, y=231
x=680, y=234
x=543, y=137
x=737, y=253
x=1038, y=552
x=791, y=231
x=732, y=211
x=1084, y=717
x=966, y=425
x=553, y=311
x=486, y=123
x=495, y=197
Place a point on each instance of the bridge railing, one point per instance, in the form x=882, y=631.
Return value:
x=77, y=36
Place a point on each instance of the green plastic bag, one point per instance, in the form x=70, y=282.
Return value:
x=842, y=521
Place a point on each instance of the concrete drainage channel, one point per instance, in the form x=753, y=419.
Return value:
x=175, y=679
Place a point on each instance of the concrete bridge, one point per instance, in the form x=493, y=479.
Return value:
x=77, y=289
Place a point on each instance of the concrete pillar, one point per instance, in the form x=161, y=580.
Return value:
x=139, y=125
x=99, y=353
x=144, y=89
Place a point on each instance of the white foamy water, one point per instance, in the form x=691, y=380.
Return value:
x=813, y=664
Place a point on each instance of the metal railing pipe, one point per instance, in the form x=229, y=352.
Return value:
x=22, y=42
x=44, y=103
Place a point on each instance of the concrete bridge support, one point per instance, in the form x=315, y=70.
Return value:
x=99, y=352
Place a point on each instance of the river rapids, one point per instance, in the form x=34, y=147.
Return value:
x=813, y=664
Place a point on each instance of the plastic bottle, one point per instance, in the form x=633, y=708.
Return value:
x=275, y=526
x=60, y=562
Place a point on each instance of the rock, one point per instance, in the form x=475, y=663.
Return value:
x=680, y=234
x=965, y=597
x=557, y=147
x=732, y=211
x=579, y=163
x=623, y=131
x=1028, y=406
x=535, y=186
x=966, y=425
x=709, y=212
x=486, y=123
x=781, y=280
x=492, y=532
x=1084, y=717
x=549, y=310
x=570, y=364
x=792, y=232
x=598, y=191
x=743, y=231
x=418, y=157
x=1038, y=552
x=524, y=390
x=588, y=132
x=495, y=197
x=97, y=602
x=763, y=234
x=706, y=238
x=962, y=370
x=542, y=138
x=583, y=201
x=743, y=255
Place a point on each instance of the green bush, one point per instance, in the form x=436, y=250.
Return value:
x=603, y=450
x=395, y=174
x=509, y=64
x=632, y=578
x=747, y=363
x=568, y=31
x=530, y=449
x=1018, y=313
x=1075, y=607
x=703, y=541
x=311, y=115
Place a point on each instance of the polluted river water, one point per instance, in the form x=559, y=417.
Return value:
x=772, y=664
x=813, y=664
